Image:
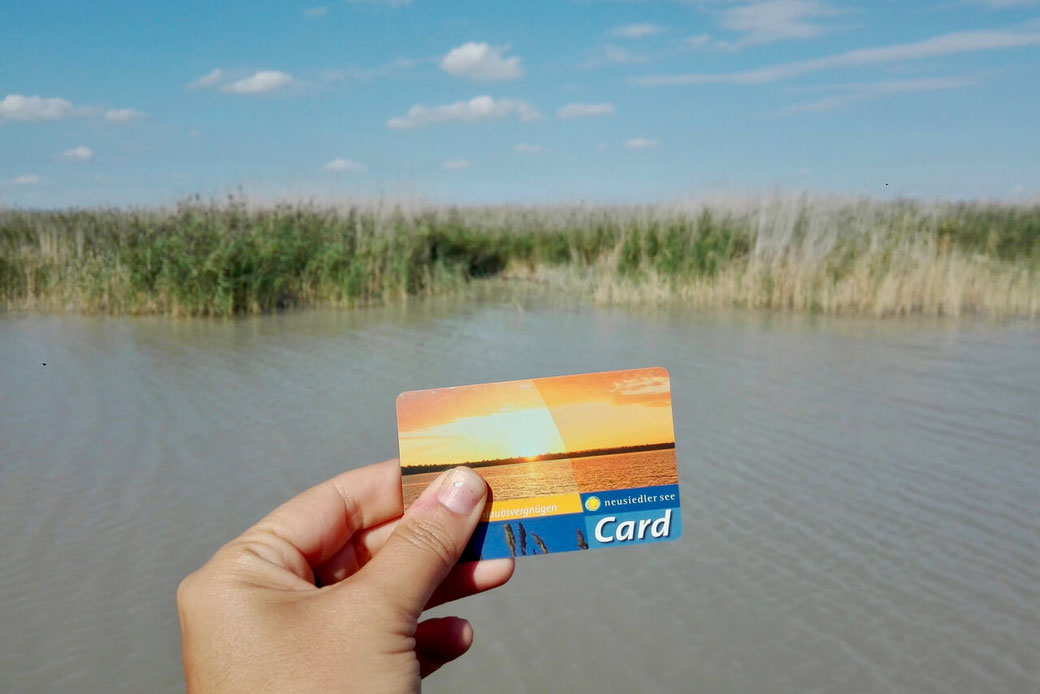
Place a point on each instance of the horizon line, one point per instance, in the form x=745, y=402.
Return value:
x=542, y=457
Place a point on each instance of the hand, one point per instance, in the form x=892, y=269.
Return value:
x=325, y=593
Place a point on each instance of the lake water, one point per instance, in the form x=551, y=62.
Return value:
x=566, y=476
x=861, y=499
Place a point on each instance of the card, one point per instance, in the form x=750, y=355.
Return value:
x=572, y=462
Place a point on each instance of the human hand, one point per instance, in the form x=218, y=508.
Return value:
x=325, y=593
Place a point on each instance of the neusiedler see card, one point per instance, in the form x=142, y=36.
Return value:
x=572, y=462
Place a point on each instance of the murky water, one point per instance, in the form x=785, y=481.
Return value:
x=861, y=498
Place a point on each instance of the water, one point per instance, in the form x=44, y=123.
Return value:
x=861, y=498
x=566, y=475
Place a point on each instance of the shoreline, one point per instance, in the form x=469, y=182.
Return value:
x=806, y=255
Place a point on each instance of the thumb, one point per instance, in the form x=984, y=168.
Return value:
x=428, y=540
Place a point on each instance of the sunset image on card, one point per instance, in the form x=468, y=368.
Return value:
x=572, y=462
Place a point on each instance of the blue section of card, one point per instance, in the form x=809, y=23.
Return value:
x=545, y=535
x=621, y=517
x=633, y=527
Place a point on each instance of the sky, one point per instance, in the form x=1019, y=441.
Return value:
x=131, y=103
x=528, y=418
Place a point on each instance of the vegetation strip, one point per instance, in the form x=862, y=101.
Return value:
x=804, y=253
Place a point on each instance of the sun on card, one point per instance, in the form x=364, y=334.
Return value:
x=572, y=462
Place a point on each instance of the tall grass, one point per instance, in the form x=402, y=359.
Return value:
x=800, y=253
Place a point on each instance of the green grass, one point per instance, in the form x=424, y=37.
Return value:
x=815, y=254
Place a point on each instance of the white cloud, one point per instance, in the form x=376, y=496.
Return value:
x=774, y=20
x=476, y=109
x=637, y=31
x=862, y=91
x=698, y=41
x=945, y=44
x=27, y=179
x=337, y=165
x=758, y=22
x=363, y=74
x=455, y=165
x=481, y=62
x=34, y=108
x=641, y=143
x=81, y=153
x=1004, y=4
x=524, y=148
x=122, y=115
x=210, y=79
x=315, y=12
x=263, y=81
x=614, y=55
x=585, y=110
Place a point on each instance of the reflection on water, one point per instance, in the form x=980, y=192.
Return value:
x=860, y=497
x=566, y=476
x=625, y=470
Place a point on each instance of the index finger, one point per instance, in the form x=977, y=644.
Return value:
x=321, y=520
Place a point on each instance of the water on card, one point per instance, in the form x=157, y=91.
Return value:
x=566, y=475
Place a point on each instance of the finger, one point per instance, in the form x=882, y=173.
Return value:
x=308, y=529
x=440, y=641
x=428, y=541
x=472, y=578
x=462, y=581
x=355, y=554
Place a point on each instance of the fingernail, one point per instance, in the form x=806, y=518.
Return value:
x=461, y=490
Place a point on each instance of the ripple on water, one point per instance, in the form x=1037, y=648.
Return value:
x=860, y=497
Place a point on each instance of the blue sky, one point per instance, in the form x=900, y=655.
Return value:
x=132, y=103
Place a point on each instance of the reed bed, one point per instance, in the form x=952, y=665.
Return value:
x=798, y=253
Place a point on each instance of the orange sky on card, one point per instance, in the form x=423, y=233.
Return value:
x=529, y=418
